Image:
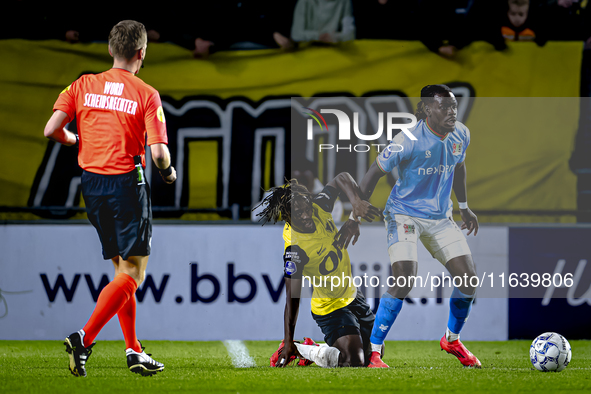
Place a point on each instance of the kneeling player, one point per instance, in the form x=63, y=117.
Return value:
x=313, y=254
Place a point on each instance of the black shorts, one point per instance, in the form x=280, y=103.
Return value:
x=355, y=318
x=121, y=212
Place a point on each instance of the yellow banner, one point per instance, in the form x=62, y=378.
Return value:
x=514, y=162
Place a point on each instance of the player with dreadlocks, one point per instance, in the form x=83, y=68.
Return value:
x=420, y=207
x=313, y=253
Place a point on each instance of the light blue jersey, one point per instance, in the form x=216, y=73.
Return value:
x=426, y=168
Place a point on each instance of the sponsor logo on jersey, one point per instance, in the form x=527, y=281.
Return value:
x=442, y=169
x=293, y=256
x=409, y=228
x=383, y=328
x=428, y=154
x=457, y=149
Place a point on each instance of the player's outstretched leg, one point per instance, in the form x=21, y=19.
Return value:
x=391, y=303
x=142, y=363
x=303, y=362
x=460, y=305
x=323, y=355
x=77, y=353
x=388, y=310
x=347, y=351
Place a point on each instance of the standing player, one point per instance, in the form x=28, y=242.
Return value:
x=420, y=207
x=312, y=253
x=115, y=110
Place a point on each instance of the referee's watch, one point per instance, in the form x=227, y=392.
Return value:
x=165, y=173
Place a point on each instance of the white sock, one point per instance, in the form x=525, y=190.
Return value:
x=324, y=356
x=450, y=336
x=376, y=348
x=305, y=349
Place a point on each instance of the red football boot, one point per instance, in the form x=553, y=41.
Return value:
x=376, y=361
x=304, y=362
x=275, y=357
x=458, y=349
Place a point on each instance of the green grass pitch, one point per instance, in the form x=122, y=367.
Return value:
x=204, y=367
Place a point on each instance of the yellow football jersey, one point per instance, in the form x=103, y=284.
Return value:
x=313, y=258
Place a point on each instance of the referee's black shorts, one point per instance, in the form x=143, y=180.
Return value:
x=355, y=318
x=121, y=212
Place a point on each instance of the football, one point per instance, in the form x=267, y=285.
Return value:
x=550, y=352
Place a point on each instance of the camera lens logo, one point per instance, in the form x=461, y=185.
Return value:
x=315, y=115
x=389, y=124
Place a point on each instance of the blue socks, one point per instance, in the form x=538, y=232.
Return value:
x=460, y=305
x=385, y=316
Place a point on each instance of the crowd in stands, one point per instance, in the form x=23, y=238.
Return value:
x=205, y=27
x=444, y=27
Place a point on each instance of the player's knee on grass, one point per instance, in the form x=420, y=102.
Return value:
x=351, y=351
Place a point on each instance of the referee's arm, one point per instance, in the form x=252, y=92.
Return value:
x=56, y=131
x=161, y=157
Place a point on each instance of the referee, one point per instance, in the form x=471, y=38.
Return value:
x=115, y=111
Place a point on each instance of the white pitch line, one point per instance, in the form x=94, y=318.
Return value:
x=239, y=354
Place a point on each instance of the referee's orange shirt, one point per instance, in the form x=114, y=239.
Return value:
x=114, y=111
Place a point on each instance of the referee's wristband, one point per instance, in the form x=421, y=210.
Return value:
x=165, y=173
x=463, y=205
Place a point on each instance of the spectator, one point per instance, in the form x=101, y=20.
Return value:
x=326, y=21
x=74, y=24
x=512, y=20
x=521, y=25
x=446, y=26
x=234, y=24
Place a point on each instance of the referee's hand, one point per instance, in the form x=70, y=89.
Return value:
x=171, y=177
